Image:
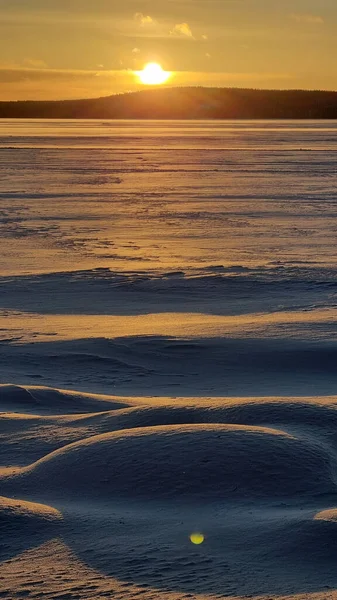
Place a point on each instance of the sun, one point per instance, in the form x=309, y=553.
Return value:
x=153, y=74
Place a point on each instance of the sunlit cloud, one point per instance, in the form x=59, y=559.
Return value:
x=307, y=18
x=182, y=29
x=143, y=19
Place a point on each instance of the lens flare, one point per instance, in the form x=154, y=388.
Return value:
x=197, y=538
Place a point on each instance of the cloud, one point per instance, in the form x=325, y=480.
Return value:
x=204, y=37
x=58, y=84
x=182, y=29
x=135, y=51
x=26, y=63
x=307, y=18
x=35, y=63
x=143, y=19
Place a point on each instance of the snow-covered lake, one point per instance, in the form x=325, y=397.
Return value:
x=153, y=232
x=163, y=196
x=187, y=271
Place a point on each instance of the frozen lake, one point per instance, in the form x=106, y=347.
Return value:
x=166, y=195
x=168, y=296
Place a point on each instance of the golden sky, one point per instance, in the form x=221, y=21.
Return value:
x=52, y=49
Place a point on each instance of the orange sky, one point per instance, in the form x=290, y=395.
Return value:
x=55, y=49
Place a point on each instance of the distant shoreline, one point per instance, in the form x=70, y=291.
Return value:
x=184, y=103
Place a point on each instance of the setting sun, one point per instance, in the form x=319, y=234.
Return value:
x=153, y=74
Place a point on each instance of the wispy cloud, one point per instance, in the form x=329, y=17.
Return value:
x=35, y=63
x=307, y=18
x=25, y=64
x=182, y=29
x=55, y=84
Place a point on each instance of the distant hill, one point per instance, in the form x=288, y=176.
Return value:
x=185, y=103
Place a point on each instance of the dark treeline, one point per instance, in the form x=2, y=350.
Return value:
x=185, y=103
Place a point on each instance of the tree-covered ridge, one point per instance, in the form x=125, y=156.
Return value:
x=185, y=103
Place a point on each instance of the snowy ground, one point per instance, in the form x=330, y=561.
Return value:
x=179, y=281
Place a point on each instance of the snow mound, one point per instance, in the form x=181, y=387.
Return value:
x=196, y=462
x=24, y=511
x=329, y=515
x=42, y=400
x=293, y=414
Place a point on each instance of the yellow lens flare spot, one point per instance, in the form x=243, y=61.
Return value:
x=197, y=538
x=153, y=74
